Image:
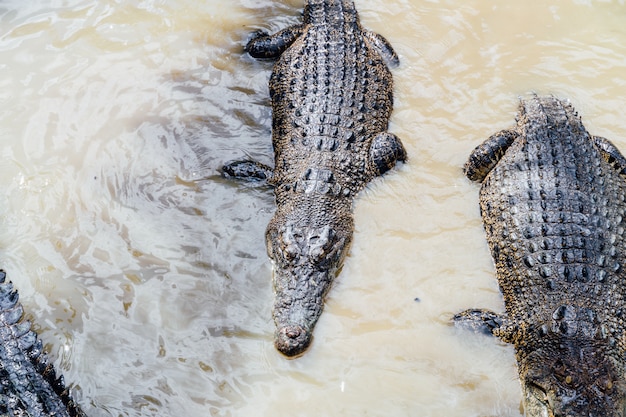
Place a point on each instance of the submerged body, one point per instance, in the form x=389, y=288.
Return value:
x=332, y=96
x=553, y=202
x=28, y=382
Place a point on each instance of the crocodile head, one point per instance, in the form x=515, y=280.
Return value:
x=307, y=252
x=573, y=380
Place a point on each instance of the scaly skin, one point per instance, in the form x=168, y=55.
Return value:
x=332, y=95
x=552, y=202
x=28, y=382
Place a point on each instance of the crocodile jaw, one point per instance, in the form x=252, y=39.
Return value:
x=292, y=340
x=307, y=255
x=297, y=307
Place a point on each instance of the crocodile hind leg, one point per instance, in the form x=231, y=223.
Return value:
x=611, y=154
x=385, y=150
x=383, y=47
x=263, y=45
x=248, y=170
x=486, y=322
x=486, y=155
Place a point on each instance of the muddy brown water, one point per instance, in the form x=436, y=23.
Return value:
x=146, y=272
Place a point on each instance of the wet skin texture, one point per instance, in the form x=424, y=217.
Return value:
x=552, y=203
x=332, y=95
x=28, y=383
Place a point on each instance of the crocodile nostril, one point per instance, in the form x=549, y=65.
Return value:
x=292, y=340
x=293, y=332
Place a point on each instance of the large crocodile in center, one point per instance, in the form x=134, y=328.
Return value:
x=553, y=207
x=332, y=95
x=28, y=382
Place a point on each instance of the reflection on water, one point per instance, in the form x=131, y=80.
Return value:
x=146, y=271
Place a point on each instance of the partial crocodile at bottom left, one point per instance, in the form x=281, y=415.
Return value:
x=29, y=385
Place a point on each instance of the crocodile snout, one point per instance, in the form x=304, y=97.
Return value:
x=292, y=340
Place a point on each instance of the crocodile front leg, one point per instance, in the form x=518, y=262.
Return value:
x=611, y=154
x=383, y=47
x=248, y=170
x=486, y=322
x=486, y=155
x=385, y=150
x=263, y=45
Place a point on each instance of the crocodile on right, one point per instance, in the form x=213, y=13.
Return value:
x=553, y=207
x=29, y=385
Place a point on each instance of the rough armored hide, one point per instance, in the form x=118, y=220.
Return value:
x=28, y=383
x=552, y=202
x=332, y=96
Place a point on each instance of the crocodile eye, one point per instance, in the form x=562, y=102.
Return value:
x=290, y=248
x=321, y=244
x=605, y=384
x=290, y=252
x=284, y=246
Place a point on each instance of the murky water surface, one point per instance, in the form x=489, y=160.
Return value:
x=146, y=272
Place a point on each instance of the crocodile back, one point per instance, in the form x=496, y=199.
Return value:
x=331, y=95
x=553, y=211
x=28, y=382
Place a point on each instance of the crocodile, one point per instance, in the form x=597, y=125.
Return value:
x=29, y=385
x=332, y=95
x=552, y=204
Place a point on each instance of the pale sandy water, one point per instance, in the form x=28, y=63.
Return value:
x=146, y=272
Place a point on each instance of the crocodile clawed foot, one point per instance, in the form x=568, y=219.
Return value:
x=292, y=340
x=247, y=170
